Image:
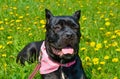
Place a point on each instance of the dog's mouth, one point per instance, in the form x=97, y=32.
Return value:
x=63, y=51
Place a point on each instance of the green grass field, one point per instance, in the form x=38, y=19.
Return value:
x=22, y=21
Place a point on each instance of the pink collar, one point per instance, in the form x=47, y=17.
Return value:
x=47, y=65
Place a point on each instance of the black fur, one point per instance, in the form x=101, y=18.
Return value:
x=61, y=32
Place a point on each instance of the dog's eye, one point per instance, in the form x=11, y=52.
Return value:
x=57, y=27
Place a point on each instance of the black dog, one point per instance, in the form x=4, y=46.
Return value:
x=59, y=50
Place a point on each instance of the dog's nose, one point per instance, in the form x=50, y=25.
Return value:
x=69, y=35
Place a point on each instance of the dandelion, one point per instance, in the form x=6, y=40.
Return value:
x=42, y=21
x=35, y=23
x=118, y=50
x=6, y=19
x=84, y=18
x=92, y=44
x=9, y=37
x=14, y=8
x=102, y=16
x=117, y=32
x=98, y=46
x=106, y=47
x=115, y=78
x=30, y=34
x=113, y=36
x=105, y=41
x=18, y=28
x=12, y=21
x=102, y=29
x=1, y=28
x=11, y=13
x=115, y=60
x=20, y=17
x=27, y=7
x=111, y=14
x=106, y=57
x=17, y=21
x=87, y=58
x=1, y=22
x=9, y=42
x=102, y=62
x=43, y=26
x=12, y=24
x=106, y=19
x=114, y=44
x=27, y=14
x=1, y=46
x=107, y=23
x=99, y=68
x=108, y=33
x=95, y=61
x=44, y=30
x=4, y=55
x=83, y=49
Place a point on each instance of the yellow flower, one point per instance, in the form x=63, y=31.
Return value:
x=11, y=13
x=99, y=68
x=18, y=28
x=1, y=28
x=83, y=49
x=117, y=32
x=9, y=42
x=115, y=78
x=18, y=21
x=27, y=14
x=30, y=34
x=111, y=14
x=84, y=18
x=106, y=57
x=108, y=33
x=14, y=8
x=102, y=16
x=118, y=50
x=27, y=7
x=4, y=55
x=1, y=22
x=105, y=41
x=42, y=21
x=102, y=28
x=113, y=36
x=95, y=61
x=1, y=46
x=35, y=23
x=106, y=19
x=9, y=37
x=102, y=62
x=114, y=44
x=107, y=23
x=6, y=19
x=87, y=58
x=92, y=44
x=20, y=17
x=12, y=24
x=115, y=60
x=98, y=46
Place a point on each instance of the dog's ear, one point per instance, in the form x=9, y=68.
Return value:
x=48, y=15
x=77, y=14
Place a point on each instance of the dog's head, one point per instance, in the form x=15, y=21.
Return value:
x=62, y=36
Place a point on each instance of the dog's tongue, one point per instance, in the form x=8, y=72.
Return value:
x=68, y=50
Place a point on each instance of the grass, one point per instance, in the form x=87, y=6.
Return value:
x=22, y=21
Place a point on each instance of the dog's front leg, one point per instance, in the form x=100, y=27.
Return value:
x=29, y=53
